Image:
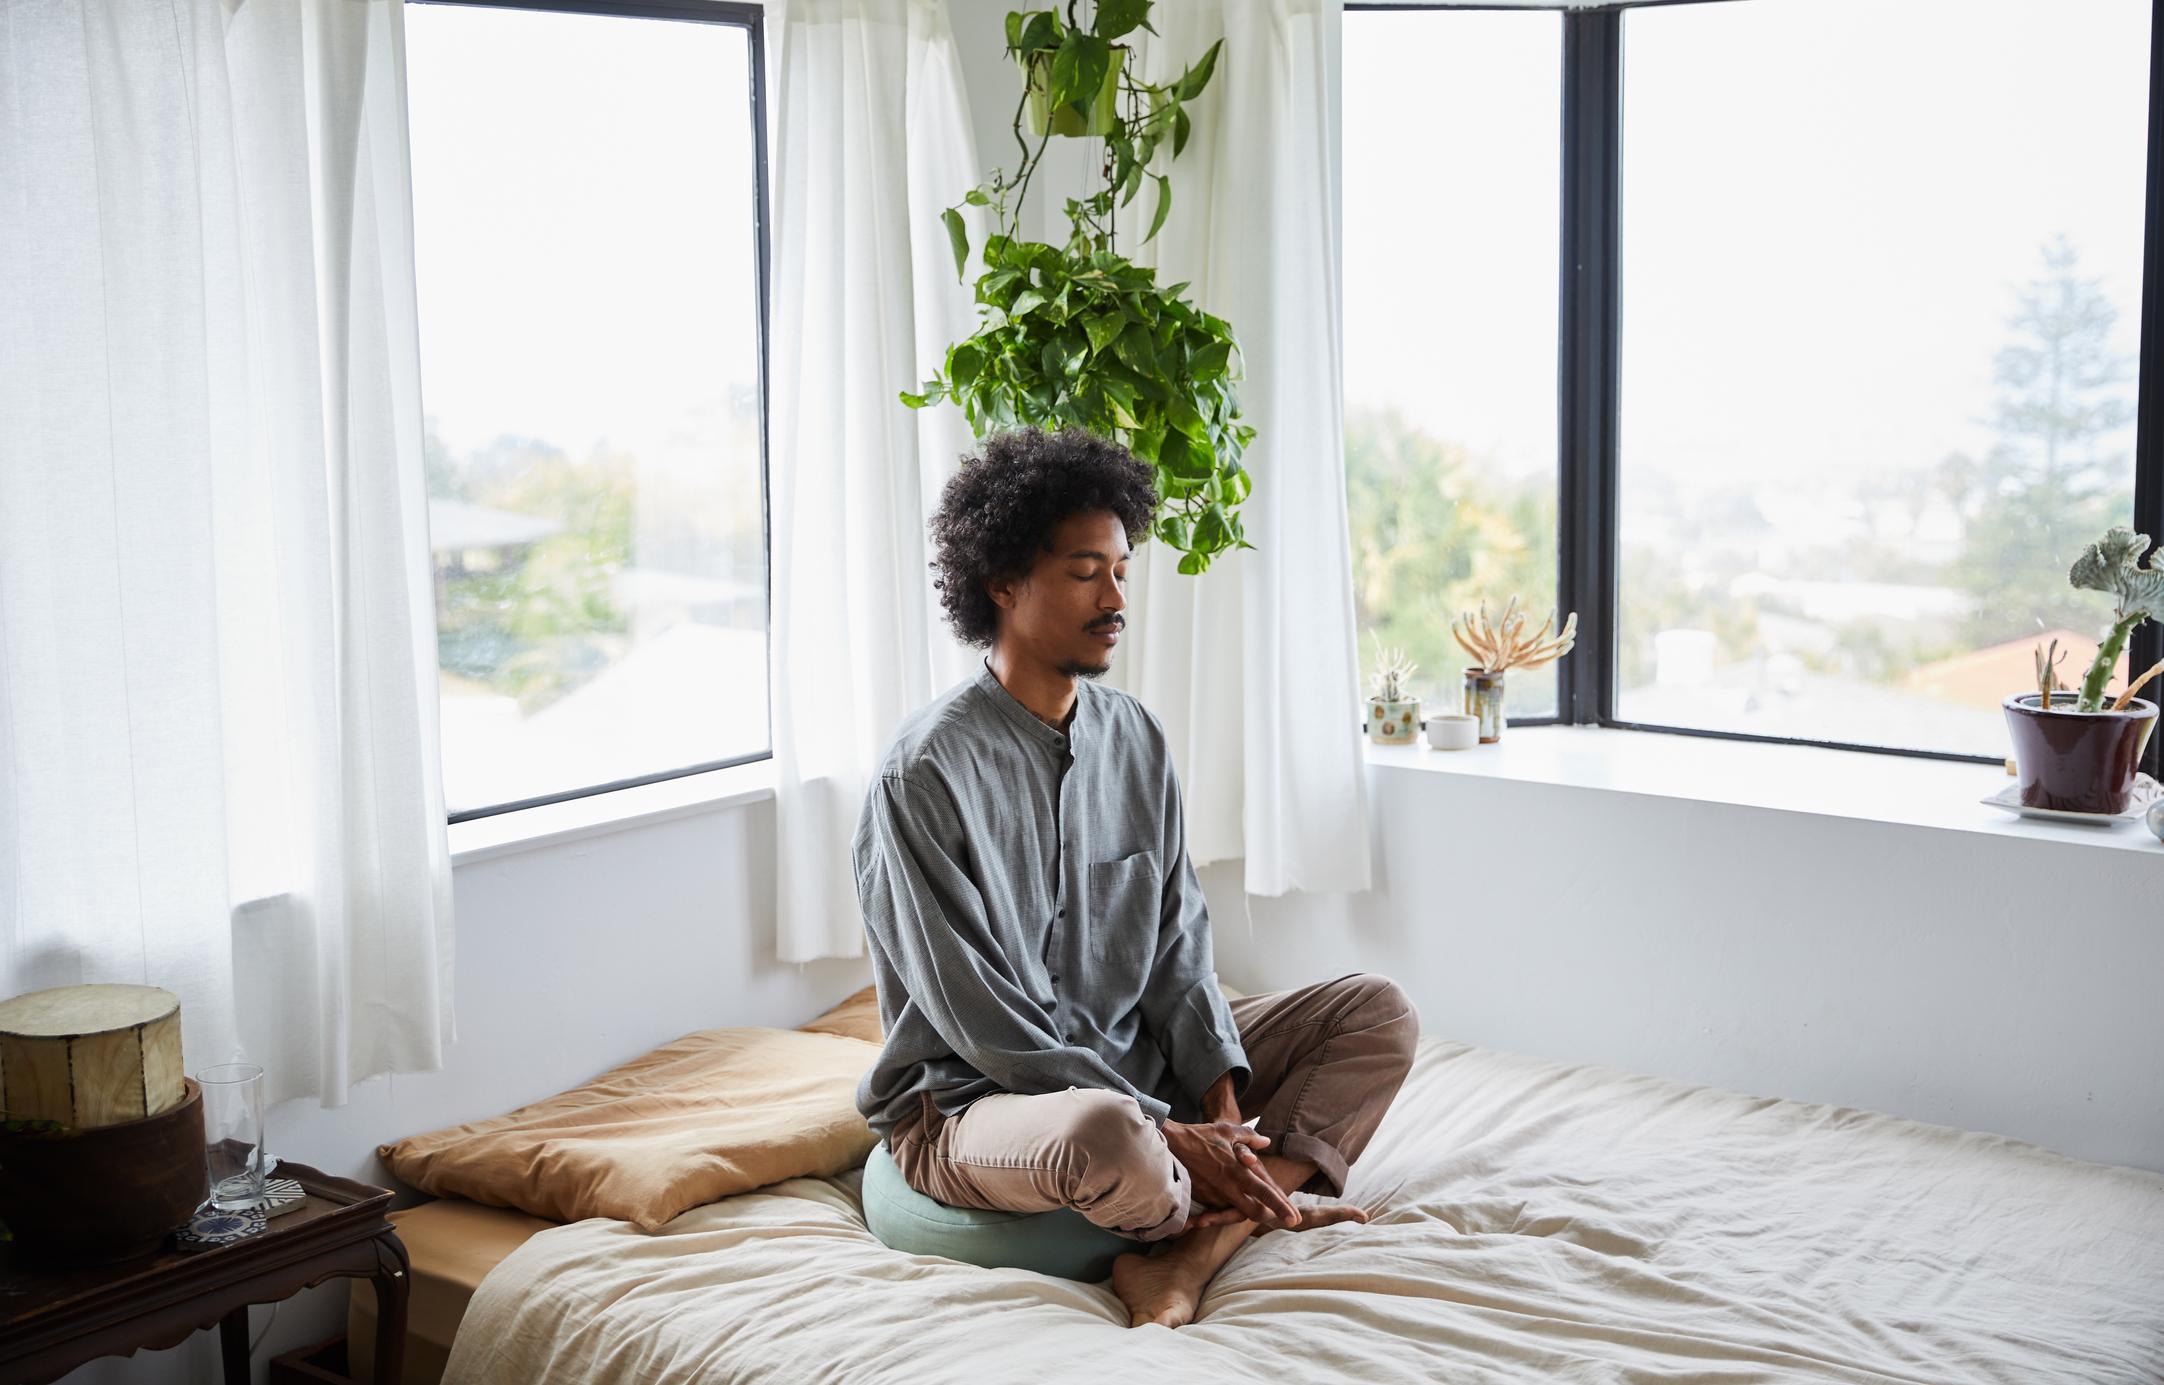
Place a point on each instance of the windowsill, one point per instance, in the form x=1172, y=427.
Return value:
x=1852, y=784
x=502, y=834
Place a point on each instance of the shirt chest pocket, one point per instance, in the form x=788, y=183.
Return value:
x=1124, y=896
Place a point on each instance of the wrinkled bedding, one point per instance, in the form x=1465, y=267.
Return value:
x=1532, y=1222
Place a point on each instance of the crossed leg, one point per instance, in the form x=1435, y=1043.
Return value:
x=1324, y=1060
x=1165, y=1288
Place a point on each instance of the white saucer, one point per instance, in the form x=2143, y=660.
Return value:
x=2145, y=792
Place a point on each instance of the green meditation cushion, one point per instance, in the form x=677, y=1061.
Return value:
x=1060, y=1242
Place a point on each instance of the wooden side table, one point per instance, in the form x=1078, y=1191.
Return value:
x=52, y=1321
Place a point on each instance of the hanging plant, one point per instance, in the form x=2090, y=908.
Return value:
x=1077, y=335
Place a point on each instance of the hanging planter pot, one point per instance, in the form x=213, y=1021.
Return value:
x=1104, y=111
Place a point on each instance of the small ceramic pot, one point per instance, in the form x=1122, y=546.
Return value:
x=2156, y=819
x=1394, y=723
x=1484, y=701
x=1453, y=731
x=2077, y=762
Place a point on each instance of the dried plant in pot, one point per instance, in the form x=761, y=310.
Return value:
x=2078, y=750
x=1501, y=645
x=1393, y=710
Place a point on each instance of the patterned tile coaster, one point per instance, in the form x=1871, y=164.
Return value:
x=281, y=1195
x=211, y=1227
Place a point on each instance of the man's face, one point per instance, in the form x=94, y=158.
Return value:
x=1068, y=611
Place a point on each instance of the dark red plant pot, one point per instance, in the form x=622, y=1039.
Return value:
x=2077, y=762
x=90, y=1197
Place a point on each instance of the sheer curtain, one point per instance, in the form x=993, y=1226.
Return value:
x=218, y=767
x=870, y=140
x=1254, y=667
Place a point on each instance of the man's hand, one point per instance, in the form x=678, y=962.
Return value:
x=1228, y=1174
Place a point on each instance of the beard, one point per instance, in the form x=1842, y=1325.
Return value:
x=1075, y=668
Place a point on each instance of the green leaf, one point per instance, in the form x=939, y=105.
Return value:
x=963, y=363
x=1181, y=414
x=1073, y=349
x=1164, y=204
x=975, y=197
x=1120, y=396
x=1135, y=350
x=1039, y=30
x=1118, y=17
x=1197, y=77
x=1025, y=301
x=1078, y=70
x=1193, y=564
x=1103, y=329
x=1211, y=531
x=1182, y=127
x=957, y=237
x=1210, y=361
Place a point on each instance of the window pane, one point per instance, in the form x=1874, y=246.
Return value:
x=1452, y=163
x=1882, y=268
x=585, y=233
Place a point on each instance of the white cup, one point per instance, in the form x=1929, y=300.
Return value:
x=1453, y=730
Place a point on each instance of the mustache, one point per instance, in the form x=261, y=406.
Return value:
x=1116, y=623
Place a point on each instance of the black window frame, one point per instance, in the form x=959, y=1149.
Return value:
x=1589, y=360
x=752, y=19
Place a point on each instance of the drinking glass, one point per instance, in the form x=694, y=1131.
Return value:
x=233, y=1134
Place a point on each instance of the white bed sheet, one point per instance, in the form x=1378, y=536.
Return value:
x=1536, y=1222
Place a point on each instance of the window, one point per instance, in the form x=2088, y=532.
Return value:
x=1842, y=370
x=587, y=227
x=1880, y=324
x=1450, y=349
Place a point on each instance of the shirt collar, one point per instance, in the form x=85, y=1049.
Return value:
x=1031, y=724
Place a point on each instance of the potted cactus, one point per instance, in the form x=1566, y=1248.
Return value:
x=1501, y=645
x=2077, y=750
x=1393, y=711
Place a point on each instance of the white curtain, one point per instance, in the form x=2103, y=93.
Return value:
x=870, y=140
x=1254, y=667
x=218, y=767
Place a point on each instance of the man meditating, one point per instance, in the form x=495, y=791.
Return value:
x=1055, y=1035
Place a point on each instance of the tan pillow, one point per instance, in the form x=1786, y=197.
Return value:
x=856, y=1017
x=714, y=1113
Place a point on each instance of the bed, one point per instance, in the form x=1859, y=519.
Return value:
x=1532, y=1222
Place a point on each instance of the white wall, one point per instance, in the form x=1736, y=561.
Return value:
x=1980, y=981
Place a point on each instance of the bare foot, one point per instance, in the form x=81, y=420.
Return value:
x=1162, y=1289
x=1314, y=1214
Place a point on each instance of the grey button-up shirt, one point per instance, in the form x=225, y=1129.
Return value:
x=1033, y=918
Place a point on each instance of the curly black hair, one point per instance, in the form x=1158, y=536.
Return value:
x=998, y=512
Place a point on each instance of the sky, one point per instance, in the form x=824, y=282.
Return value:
x=583, y=242
x=1827, y=204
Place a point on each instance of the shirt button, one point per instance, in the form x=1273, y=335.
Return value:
x=1055, y=978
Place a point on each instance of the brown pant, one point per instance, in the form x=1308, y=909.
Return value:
x=1324, y=1062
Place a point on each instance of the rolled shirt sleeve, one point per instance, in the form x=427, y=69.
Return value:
x=1182, y=1006
x=929, y=919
